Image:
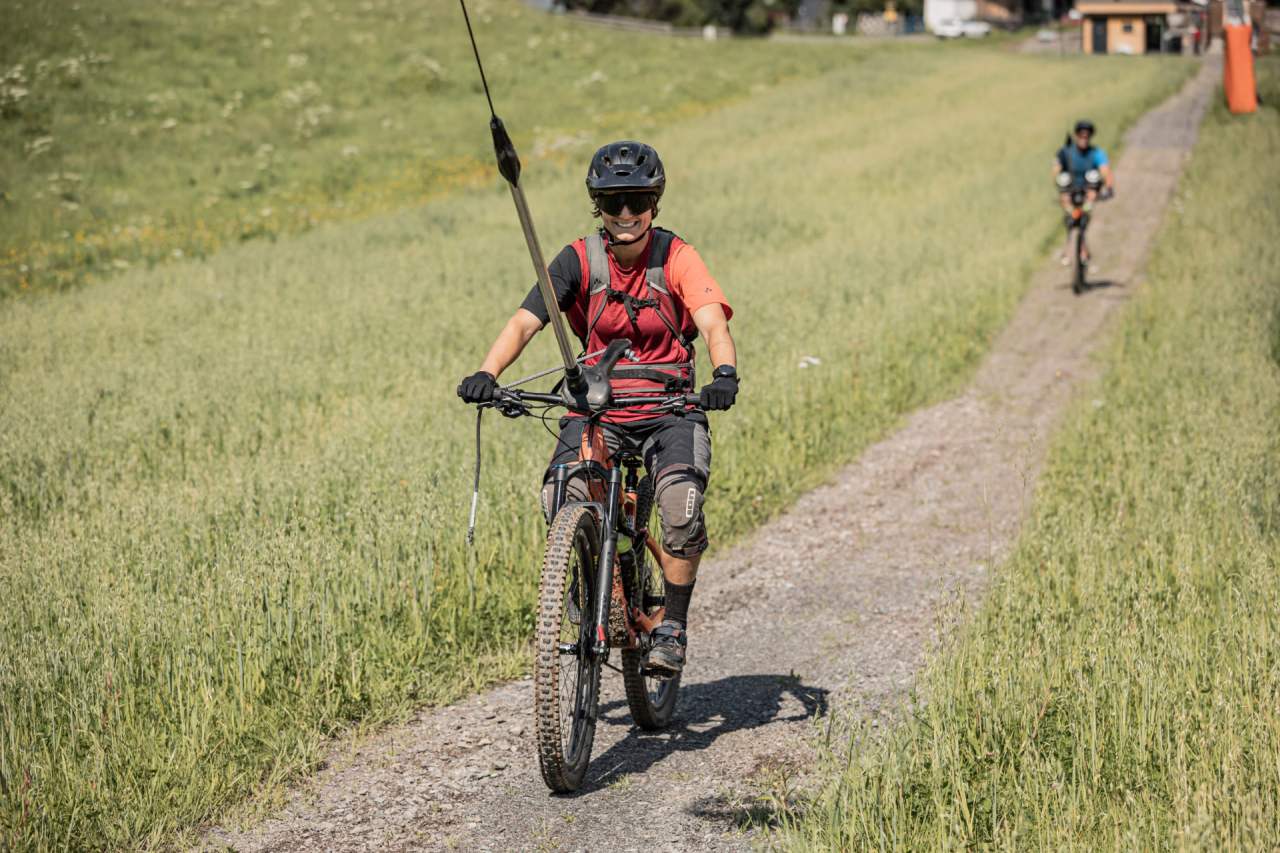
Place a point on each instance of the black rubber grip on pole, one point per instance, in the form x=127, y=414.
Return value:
x=508, y=160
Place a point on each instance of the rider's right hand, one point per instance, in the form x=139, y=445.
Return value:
x=478, y=387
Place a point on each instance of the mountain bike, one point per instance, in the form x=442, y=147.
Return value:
x=1080, y=222
x=601, y=586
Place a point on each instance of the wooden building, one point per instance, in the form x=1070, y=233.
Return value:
x=1125, y=26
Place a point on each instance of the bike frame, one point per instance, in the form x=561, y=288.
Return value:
x=1079, y=223
x=610, y=498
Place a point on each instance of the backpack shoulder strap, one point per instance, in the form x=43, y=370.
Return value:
x=655, y=275
x=656, y=278
x=597, y=264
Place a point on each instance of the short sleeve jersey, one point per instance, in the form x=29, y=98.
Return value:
x=1078, y=162
x=688, y=281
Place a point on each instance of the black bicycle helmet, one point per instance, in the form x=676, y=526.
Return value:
x=1085, y=125
x=626, y=165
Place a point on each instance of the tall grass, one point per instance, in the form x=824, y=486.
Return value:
x=1119, y=688
x=233, y=492
x=132, y=133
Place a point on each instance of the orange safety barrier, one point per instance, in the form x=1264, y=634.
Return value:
x=1237, y=72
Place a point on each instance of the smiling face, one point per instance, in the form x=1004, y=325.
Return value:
x=627, y=227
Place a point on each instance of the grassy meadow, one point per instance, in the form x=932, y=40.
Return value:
x=233, y=490
x=1119, y=689
x=133, y=133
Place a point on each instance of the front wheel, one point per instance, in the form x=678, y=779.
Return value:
x=1077, y=285
x=566, y=674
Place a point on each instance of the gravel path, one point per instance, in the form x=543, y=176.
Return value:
x=849, y=582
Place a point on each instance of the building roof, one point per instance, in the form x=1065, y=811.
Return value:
x=1126, y=7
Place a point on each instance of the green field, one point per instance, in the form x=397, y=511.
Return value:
x=1120, y=687
x=233, y=490
x=132, y=133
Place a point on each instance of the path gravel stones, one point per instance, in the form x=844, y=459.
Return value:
x=849, y=582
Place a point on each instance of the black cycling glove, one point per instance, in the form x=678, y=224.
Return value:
x=478, y=387
x=719, y=395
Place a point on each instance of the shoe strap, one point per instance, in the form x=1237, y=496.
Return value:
x=669, y=629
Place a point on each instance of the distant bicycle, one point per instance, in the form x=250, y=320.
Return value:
x=601, y=585
x=1078, y=221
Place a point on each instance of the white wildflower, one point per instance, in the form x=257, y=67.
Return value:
x=301, y=94
x=428, y=66
x=39, y=145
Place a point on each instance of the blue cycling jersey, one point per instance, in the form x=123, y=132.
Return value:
x=1078, y=162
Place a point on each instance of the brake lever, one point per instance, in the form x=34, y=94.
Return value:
x=507, y=405
x=512, y=409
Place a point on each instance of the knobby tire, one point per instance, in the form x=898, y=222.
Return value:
x=566, y=686
x=1077, y=285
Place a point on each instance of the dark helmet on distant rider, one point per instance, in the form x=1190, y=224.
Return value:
x=626, y=165
x=1085, y=126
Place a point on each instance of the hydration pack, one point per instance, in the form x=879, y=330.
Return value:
x=673, y=377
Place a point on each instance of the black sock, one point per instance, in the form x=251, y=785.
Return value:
x=678, y=595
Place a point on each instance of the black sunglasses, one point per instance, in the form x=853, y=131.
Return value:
x=637, y=202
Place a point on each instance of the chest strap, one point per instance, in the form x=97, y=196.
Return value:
x=655, y=277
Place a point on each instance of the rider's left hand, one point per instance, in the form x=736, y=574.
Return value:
x=719, y=395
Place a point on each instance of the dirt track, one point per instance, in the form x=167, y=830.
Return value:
x=850, y=580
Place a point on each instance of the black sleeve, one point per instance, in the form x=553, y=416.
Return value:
x=566, y=279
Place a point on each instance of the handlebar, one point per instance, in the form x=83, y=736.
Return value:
x=594, y=396
x=514, y=403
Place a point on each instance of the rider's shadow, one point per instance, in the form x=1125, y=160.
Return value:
x=704, y=712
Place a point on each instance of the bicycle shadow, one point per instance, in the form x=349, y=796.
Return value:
x=704, y=712
x=1099, y=284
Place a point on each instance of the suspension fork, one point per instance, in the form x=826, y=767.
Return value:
x=604, y=571
x=560, y=487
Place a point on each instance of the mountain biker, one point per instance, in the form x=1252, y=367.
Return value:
x=629, y=279
x=1077, y=157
